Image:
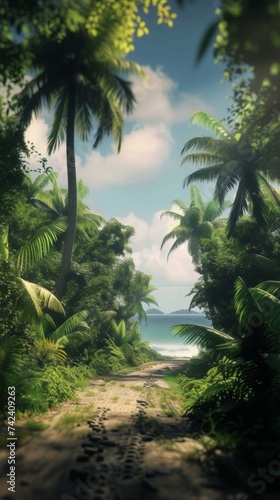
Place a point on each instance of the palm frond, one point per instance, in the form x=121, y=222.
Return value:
x=39, y=183
x=206, y=40
x=58, y=127
x=173, y=215
x=210, y=145
x=247, y=308
x=47, y=352
x=202, y=336
x=128, y=67
x=124, y=94
x=58, y=194
x=227, y=178
x=196, y=198
x=205, y=229
x=35, y=300
x=74, y=339
x=83, y=114
x=207, y=174
x=180, y=240
x=40, y=244
x=203, y=158
x=44, y=207
x=269, y=305
x=115, y=350
x=213, y=209
x=271, y=286
x=37, y=93
x=194, y=249
x=258, y=206
x=238, y=208
x=4, y=242
x=82, y=191
x=268, y=191
x=205, y=120
x=128, y=352
x=70, y=325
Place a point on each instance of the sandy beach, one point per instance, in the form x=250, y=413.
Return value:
x=128, y=441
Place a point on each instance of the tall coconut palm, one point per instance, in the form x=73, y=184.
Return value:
x=195, y=222
x=54, y=203
x=80, y=77
x=232, y=163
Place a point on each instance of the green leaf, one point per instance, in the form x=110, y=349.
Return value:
x=206, y=40
x=35, y=299
x=203, y=336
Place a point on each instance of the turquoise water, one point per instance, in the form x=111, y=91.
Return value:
x=158, y=333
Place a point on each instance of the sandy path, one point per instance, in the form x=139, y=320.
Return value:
x=133, y=446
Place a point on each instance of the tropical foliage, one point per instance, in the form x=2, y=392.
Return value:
x=43, y=340
x=246, y=371
x=83, y=82
x=226, y=161
x=53, y=204
x=70, y=57
x=196, y=222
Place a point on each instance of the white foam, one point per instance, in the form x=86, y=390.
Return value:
x=175, y=350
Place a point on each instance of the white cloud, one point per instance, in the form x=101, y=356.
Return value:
x=144, y=151
x=156, y=102
x=173, y=278
x=37, y=133
x=150, y=259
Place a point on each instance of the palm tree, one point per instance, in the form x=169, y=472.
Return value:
x=195, y=222
x=125, y=344
x=54, y=203
x=246, y=374
x=33, y=302
x=74, y=330
x=231, y=162
x=141, y=290
x=81, y=77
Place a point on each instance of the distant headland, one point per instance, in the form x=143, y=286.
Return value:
x=180, y=311
x=185, y=311
x=154, y=311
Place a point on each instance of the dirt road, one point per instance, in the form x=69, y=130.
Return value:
x=127, y=441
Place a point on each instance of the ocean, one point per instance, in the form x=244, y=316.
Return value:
x=157, y=332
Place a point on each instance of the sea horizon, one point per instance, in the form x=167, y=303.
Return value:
x=157, y=333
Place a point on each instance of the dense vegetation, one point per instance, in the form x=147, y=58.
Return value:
x=71, y=297
x=52, y=245
x=232, y=386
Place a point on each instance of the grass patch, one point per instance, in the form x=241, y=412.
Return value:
x=115, y=399
x=34, y=425
x=137, y=388
x=88, y=394
x=69, y=420
x=175, y=391
x=82, y=384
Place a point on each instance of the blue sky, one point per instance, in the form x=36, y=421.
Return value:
x=141, y=182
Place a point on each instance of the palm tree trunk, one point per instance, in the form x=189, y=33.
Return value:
x=69, y=241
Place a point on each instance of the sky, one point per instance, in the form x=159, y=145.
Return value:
x=138, y=184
